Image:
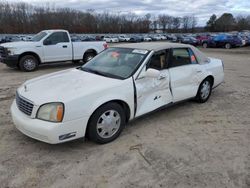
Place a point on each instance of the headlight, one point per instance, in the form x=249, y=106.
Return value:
x=52, y=112
x=11, y=51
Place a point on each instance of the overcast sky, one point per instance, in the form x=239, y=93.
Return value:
x=203, y=9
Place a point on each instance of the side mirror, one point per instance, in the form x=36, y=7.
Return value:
x=47, y=42
x=152, y=73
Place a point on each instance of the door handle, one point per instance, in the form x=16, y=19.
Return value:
x=65, y=46
x=199, y=71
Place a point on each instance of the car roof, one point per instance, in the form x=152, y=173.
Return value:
x=156, y=46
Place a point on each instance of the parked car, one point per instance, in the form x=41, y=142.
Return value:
x=202, y=38
x=189, y=40
x=10, y=39
x=120, y=84
x=46, y=47
x=172, y=38
x=226, y=41
x=110, y=39
x=135, y=39
x=147, y=39
x=155, y=37
x=88, y=38
x=123, y=38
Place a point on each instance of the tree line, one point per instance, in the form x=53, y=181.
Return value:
x=25, y=18
x=227, y=22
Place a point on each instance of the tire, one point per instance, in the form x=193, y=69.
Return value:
x=204, y=91
x=28, y=63
x=228, y=46
x=88, y=56
x=103, y=132
x=204, y=45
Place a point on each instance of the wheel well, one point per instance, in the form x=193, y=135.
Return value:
x=211, y=78
x=123, y=104
x=29, y=53
x=90, y=51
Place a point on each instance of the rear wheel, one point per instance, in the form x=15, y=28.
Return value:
x=228, y=46
x=88, y=56
x=204, y=45
x=28, y=63
x=204, y=91
x=106, y=123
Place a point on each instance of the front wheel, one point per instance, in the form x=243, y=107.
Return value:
x=28, y=63
x=106, y=123
x=204, y=91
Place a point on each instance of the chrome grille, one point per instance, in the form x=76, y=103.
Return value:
x=24, y=105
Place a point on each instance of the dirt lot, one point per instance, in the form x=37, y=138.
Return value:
x=188, y=145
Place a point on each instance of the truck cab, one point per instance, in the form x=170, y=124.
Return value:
x=46, y=47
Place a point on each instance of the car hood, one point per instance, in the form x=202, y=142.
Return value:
x=64, y=86
x=20, y=44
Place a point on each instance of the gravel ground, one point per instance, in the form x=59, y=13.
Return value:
x=188, y=145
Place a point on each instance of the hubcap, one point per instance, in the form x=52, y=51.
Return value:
x=228, y=46
x=89, y=57
x=205, y=90
x=108, y=124
x=29, y=64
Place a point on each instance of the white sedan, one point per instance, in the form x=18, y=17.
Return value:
x=110, y=39
x=120, y=84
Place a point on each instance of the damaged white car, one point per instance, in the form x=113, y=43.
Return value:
x=118, y=85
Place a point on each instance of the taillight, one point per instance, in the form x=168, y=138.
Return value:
x=105, y=46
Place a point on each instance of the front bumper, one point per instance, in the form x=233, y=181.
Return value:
x=10, y=61
x=52, y=133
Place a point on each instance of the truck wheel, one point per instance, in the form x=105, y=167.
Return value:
x=88, y=56
x=204, y=45
x=204, y=91
x=28, y=63
x=228, y=46
x=106, y=123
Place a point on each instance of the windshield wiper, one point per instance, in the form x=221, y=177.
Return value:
x=100, y=73
x=94, y=71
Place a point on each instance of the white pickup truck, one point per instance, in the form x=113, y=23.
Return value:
x=46, y=47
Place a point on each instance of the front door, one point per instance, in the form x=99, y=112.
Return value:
x=153, y=93
x=57, y=47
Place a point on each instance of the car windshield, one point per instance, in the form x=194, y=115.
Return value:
x=117, y=63
x=39, y=36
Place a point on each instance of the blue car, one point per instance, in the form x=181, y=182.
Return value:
x=225, y=41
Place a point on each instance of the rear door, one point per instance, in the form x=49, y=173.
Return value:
x=153, y=93
x=185, y=74
x=57, y=47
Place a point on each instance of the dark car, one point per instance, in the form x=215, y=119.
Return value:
x=189, y=40
x=136, y=39
x=202, y=38
x=225, y=41
x=88, y=38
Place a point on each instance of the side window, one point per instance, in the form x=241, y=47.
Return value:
x=158, y=61
x=55, y=38
x=180, y=57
